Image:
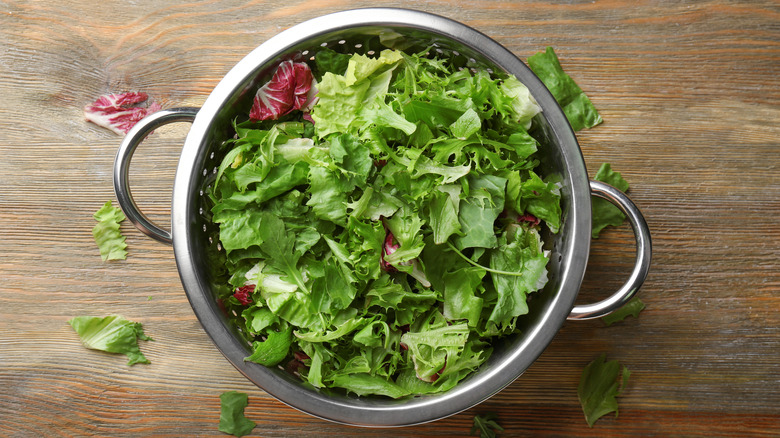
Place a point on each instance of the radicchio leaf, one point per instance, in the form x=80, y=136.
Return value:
x=243, y=294
x=290, y=88
x=119, y=112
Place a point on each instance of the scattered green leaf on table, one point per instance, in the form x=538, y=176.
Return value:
x=599, y=385
x=576, y=105
x=604, y=212
x=486, y=425
x=633, y=307
x=231, y=416
x=106, y=233
x=112, y=334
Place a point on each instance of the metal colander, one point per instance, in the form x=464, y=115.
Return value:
x=368, y=31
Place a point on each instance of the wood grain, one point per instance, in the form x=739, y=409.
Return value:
x=689, y=94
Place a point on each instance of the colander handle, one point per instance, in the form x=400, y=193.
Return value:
x=643, y=255
x=122, y=167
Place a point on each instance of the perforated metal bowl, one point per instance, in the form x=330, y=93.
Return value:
x=367, y=31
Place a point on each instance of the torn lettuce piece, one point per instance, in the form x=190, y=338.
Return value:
x=576, y=105
x=112, y=334
x=631, y=308
x=604, y=212
x=600, y=383
x=231, y=417
x=109, y=239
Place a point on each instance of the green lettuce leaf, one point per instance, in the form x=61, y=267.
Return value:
x=486, y=425
x=576, y=105
x=273, y=350
x=512, y=290
x=479, y=211
x=231, y=417
x=460, y=299
x=604, y=212
x=109, y=239
x=599, y=385
x=366, y=384
x=631, y=308
x=112, y=334
x=432, y=341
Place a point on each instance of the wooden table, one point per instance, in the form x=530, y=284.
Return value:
x=690, y=96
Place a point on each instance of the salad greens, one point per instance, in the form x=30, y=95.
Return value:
x=231, y=416
x=604, y=212
x=112, y=334
x=599, y=385
x=381, y=248
x=106, y=233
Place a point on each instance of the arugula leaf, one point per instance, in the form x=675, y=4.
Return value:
x=599, y=385
x=576, y=105
x=604, y=212
x=112, y=334
x=633, y=307
x=109, y=239
x=486, y=425
x=231, y=417
x=273, y=350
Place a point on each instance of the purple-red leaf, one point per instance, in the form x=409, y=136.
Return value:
x=289, y=89
x=119, y=112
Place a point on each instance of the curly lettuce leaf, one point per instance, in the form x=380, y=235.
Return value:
x=109, y=239
x=576, y=105
x=231, y=417
x=600, y=383
x=112, y=334
x=604, y=212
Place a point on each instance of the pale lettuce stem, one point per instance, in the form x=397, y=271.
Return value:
x=494, y=271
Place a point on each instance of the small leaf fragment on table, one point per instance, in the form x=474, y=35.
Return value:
x=109, y=239
x=231, y=416
x=632, y=308
x=486, y=425
x=604, y=212
x=599, y=385
x=112, y=334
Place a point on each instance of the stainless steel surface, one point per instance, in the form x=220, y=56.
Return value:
x=197, y=250
x=641, y=264
x=122, y=167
